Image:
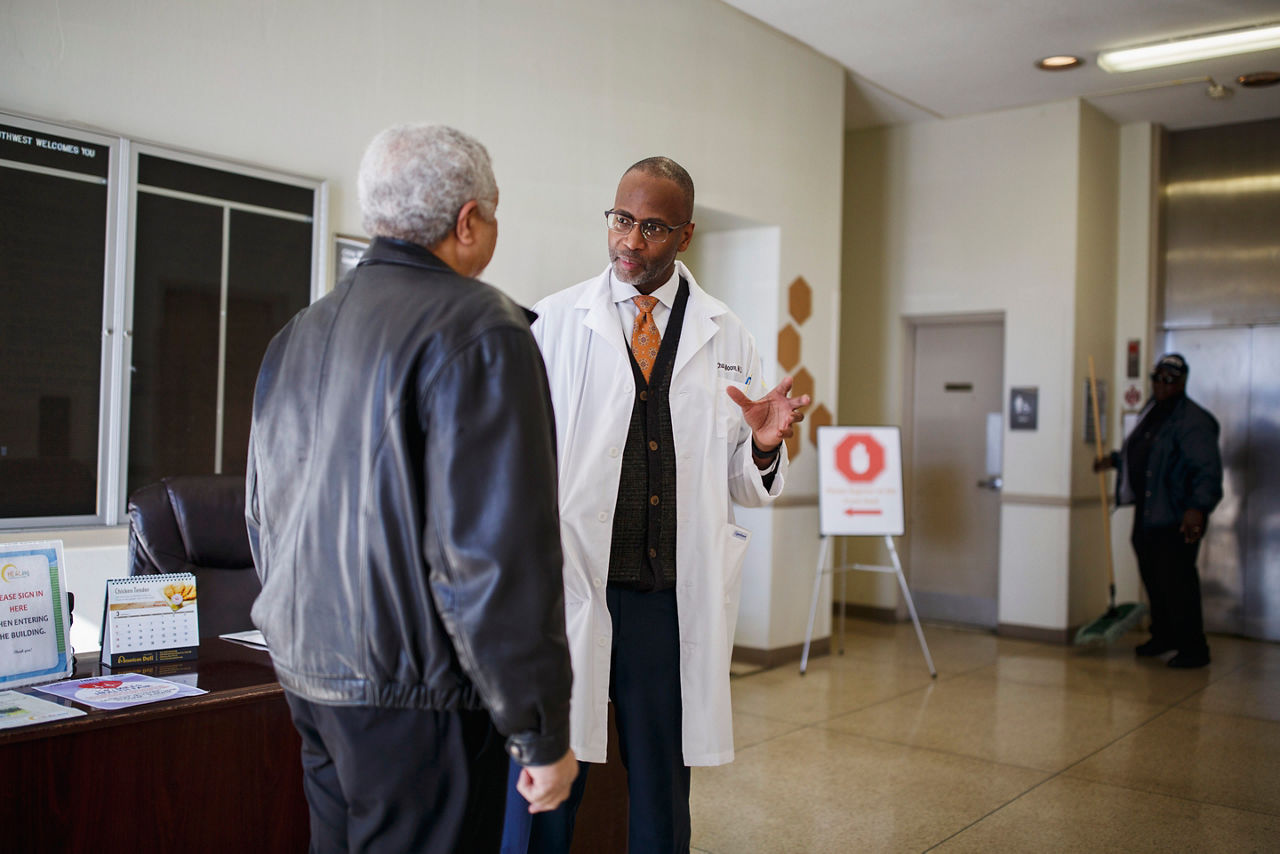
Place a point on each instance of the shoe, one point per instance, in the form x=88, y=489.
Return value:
x=1151, y=648
x=1189, y=660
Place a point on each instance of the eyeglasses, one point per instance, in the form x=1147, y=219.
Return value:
x=1167, y=379
x=652, y=230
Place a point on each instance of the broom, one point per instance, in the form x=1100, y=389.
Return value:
x=1118, y=619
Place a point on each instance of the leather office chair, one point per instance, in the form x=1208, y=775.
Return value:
x=195, y=523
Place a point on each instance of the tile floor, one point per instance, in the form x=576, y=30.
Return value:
x=1016, y=746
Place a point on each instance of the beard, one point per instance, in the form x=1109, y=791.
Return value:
x=646, y=271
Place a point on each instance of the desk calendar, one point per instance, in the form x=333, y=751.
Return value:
x=150, y=619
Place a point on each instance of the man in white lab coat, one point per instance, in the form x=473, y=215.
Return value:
x=660, y=428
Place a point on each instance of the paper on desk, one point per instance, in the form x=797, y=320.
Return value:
x=17, y=709
x=252, y=638
x=119, y=690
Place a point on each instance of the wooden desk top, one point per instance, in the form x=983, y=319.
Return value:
x=232, y=673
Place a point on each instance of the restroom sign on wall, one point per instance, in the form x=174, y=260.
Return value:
x=860, y=481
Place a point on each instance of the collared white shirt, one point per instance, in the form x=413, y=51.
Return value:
x=628, y=311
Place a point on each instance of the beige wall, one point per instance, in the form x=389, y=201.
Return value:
x=564, y=95
x=1099, y=173
x=1136, y=250
x=1013, y=214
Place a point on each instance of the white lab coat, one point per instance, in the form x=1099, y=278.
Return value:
x=593, y=393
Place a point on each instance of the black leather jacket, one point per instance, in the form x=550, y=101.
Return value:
x=401, y=503
x=1184, y=469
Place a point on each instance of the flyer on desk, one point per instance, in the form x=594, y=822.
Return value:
x=35, y=643
x=18, y=709
x=119, y=690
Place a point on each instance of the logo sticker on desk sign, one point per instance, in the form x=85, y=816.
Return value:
x=35, y=642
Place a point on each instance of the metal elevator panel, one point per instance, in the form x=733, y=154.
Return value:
x=1220, y=293
x=1219, y=380
x=1220, y=211
x=1262, y=548
x=1235, y=374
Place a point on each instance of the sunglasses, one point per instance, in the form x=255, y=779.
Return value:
x=1167, y=379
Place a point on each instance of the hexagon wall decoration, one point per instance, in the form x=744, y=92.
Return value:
x=800, y=299
x=803, y=384
x=789, y=347
x=820, y=417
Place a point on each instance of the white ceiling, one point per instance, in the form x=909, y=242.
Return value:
x=912, y=60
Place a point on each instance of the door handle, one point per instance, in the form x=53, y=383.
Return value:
x=993, y=483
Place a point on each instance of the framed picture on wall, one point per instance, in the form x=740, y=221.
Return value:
x=347, y=251
x=1024, y=407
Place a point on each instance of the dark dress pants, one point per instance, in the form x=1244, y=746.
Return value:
x=399, y=780
x=644, y=686
x=1167, y=564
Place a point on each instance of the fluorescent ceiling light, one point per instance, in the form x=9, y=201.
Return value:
x=1191, y=49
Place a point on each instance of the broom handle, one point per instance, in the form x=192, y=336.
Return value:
x=1102, y=481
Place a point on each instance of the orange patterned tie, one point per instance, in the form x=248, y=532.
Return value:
x=644, y=335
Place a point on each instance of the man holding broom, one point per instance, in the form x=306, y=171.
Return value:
x=1171, y=471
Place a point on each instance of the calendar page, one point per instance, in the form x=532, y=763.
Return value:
x=150, y=619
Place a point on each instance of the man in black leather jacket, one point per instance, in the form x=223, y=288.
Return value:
x=1171, y=471
x=401, y=505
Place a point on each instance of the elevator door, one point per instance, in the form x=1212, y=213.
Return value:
x=954, y=521
x=1235, y=374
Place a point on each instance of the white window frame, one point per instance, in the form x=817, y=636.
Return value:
x=117, y=314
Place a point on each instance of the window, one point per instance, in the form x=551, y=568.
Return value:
x=214, y=259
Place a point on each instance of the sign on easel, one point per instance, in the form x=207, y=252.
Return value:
x=860, y=481
x=860, y=495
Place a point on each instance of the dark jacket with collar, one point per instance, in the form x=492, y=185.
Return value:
x=1184, y=469
x=401, y=503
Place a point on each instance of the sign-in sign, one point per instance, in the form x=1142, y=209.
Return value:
x=860, y=481
x=35, y=643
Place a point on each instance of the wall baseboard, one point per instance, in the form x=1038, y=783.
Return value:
x=767, y=658
x=1035, y=633
x=874, y=613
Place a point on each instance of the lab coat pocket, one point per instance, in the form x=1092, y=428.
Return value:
x=735, y=553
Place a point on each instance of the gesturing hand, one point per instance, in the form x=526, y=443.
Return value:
x=773, y=417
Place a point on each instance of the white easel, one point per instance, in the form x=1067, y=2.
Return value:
x=859, y=494
x=824, y=552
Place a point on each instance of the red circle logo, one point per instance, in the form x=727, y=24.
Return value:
x=859, y=457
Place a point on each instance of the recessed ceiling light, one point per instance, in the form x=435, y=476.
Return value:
x=1191, y=49
x=1059, y=63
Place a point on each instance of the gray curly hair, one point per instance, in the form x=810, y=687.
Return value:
x=415, y=178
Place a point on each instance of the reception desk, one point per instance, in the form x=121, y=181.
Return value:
x=215, y=772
